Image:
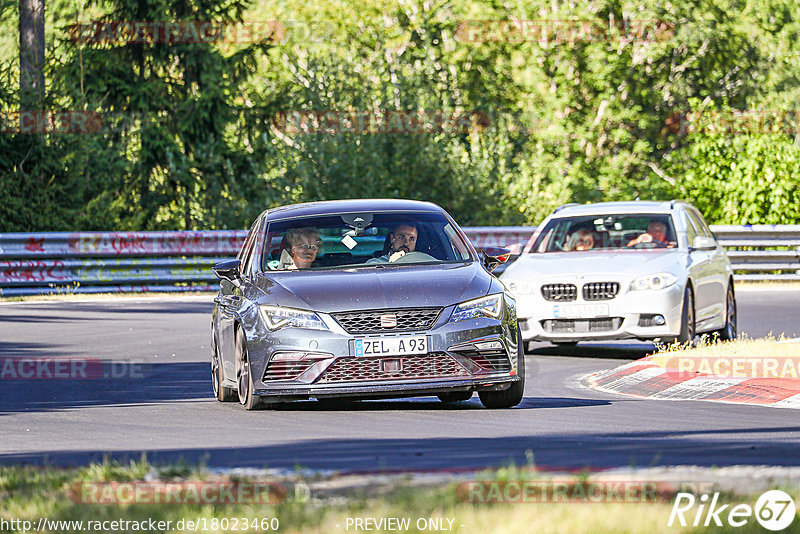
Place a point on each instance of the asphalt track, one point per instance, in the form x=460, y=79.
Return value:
x=166, y=409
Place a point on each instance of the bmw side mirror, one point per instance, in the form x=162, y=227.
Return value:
x=494, y=256
x=702, y=242
x=228, y=270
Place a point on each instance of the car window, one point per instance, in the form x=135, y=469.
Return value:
x=247, y=248
x=361, y=240
x=691, y=230
x=606, y=232
x=247, y=263
x=699, y=223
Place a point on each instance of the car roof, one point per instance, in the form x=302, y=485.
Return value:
x=602, y=208
x=333, y=207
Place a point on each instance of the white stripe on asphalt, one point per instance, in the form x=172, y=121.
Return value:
x=697, y=388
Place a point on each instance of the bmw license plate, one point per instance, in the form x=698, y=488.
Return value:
x=391, y=346
x=580, y=311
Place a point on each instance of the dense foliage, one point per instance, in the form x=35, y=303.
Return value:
x=606, y=106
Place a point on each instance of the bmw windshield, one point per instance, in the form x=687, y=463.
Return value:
x=362, y=239
x=607, y=232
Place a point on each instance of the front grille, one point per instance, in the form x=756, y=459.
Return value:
x=489, y=361
x=433, y=365
x=581, y=326
x=369, y=322
x=560, y=292
x=600, y=290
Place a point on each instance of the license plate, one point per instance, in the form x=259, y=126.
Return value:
x=580, y=311
x=391, y=346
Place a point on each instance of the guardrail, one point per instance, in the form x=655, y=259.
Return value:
x=101, y=262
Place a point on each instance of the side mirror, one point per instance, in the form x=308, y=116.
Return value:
x=228, y=270
x=704, y=243
x=494, y=256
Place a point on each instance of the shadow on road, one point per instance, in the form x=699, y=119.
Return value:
x=561, y=451
x=610, y=350
x=103, y=383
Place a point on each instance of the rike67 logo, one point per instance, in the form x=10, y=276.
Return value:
x=774, y=510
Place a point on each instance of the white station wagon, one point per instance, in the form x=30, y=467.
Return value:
x=623, y=270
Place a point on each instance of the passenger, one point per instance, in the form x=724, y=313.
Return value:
x=581, y=239
x=302, y=246
x=656, y=234
x=402, y=240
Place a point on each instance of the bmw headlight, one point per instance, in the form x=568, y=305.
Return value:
x=519, y=287
x=653, y=281
x=277, y=317
x=490, y=306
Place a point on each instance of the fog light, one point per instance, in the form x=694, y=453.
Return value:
x=651, y=319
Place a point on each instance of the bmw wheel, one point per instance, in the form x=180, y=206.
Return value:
x=244, y=377
x=513, y=395
x=728, y=332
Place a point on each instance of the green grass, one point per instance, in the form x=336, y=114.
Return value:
x=28, y=493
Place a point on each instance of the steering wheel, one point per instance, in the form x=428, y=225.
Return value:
x=414, y=257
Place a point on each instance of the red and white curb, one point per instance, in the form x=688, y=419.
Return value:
x=646, y=380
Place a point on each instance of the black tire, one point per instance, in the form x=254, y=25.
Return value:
x=728, y=332
x=512, y=396
x=687, y=318
x=222, y=393
x=456, y=396
x=244, y=378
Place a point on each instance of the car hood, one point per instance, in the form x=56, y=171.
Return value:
x=375, y=288
x=625, y=262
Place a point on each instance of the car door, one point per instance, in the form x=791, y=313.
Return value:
x=700, y=271
x=229, y=300
x=717, y=269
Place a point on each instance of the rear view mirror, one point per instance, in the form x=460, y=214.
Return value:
x=228, y=270
x=704, y=243
x=494, y=256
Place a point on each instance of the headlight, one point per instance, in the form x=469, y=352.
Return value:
x=276, y=317
x=653, y=281
x=519, y=287
x=490, y=306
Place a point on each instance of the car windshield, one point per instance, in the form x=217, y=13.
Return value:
x=363, y=239
x=606, y=232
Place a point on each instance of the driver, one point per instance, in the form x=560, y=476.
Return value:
x=402, y=240
x=656, y=234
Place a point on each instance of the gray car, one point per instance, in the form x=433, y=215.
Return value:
x=363, y=299
x=623, y=270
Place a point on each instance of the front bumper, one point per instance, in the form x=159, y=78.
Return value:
x=628, y=316
x=470, y=355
